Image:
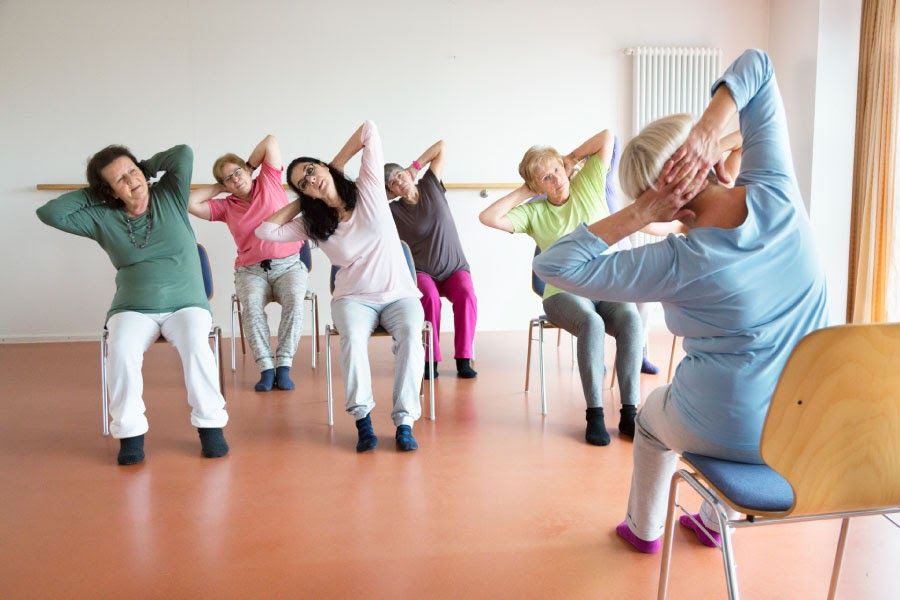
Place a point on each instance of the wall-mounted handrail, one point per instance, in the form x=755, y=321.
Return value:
x=482, y=187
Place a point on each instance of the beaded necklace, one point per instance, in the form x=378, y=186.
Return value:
x=146, y=231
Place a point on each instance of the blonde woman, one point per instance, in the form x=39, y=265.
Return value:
x=742, y=287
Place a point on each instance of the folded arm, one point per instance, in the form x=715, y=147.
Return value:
x=496, y=215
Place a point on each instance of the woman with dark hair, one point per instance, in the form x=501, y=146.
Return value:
x=351, y=222
x=423, y=219
x=263, y=271
x=159, y=287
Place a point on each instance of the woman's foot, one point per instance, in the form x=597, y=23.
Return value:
x=647, y=547
x=648, y=367
x=428, y=372
x=405, y=440
x=626, y=419
x=596, y=433
x=706, y=536
x=367, y=440
x=266, y=380
x=212, y=442
x=131, y=450
x=464, y=369
x=283, y=378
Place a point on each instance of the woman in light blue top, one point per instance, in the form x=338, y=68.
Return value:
x=742, y=287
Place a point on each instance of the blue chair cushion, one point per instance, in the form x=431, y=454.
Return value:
x=206, y=270
x=754, y=487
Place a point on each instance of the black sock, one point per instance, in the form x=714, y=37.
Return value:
x=626, y=419
x=131, y=450
x=283, y=378
x=464, y=369
x=367, y=439
x=596, y=433
x=427, y=373
x=212, y=442
x=266, y=380
x=405, y=440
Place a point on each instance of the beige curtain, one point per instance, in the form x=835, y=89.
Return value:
x=871, y=223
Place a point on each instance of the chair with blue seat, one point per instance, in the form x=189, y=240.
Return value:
x=427, y=340
x=310, y=296
x=215, y=336
x=830, y=442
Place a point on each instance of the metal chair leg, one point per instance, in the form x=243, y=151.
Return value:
x=668, y=539
x=430, y=333
x=541, y=356
x=838, y=558
x=328, y=391
x=528, y=356
x=316, y=305
x=314, y=327
x=216, y=334
x=104, y=389
x=233, y=332
x=671, y=359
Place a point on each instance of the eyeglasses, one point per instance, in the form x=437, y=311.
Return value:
x=308, y=172
x=234, y=174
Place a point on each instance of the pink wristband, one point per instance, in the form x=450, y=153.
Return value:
x=417, y=165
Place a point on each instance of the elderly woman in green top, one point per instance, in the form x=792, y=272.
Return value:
x=564, y=205
x=159, y=286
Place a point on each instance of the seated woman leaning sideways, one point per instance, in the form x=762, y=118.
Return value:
x=159, y=286
x=568, y=204
x=352, y=224
x=263, y=270
x=743, y=286
x=423, y=219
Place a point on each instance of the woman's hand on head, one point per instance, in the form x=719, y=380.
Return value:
x=665, y=200
x=693, y=159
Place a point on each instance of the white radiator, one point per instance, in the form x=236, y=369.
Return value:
x=671, y=80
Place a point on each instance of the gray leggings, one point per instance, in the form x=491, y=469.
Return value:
x=285, y=283
x=590, y=321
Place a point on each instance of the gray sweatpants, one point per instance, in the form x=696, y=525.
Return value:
x=403, y=319
x=659, y=438
x=590, y=321
x=285, y=283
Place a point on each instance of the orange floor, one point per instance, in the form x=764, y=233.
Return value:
x=499, y=502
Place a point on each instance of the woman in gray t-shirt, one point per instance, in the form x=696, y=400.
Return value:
x=425, y=223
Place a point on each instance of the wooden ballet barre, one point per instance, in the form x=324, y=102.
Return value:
x=483, y=187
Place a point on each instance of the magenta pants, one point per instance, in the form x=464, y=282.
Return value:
x=458, y=289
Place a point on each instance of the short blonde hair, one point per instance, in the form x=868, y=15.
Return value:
x=227, y=158
x=644, y=156
x=534, y=157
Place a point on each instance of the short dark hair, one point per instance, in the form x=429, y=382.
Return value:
x=321, y=220
x=98, y=162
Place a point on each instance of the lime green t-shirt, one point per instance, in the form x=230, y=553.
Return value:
x=546, y=223
x=164, y=276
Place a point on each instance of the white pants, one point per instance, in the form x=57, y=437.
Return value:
x=658, y=440
x=130, y=335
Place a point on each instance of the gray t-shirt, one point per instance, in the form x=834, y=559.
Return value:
x=428, y=227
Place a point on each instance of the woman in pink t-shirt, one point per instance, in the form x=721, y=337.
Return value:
x=352, y=223
x=263, y=271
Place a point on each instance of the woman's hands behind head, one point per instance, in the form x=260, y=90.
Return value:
x=665, y=200
x=693, y=159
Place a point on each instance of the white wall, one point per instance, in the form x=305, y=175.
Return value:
x=815, y=48
x=491, y=78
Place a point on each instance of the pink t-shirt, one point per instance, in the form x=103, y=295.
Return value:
x=366, y=246
x=243, y=216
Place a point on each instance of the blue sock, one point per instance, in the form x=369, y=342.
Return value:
x=367, y=439
x=266, y=379
x=405, y=440
x=131, y=450
x=283, y=378
x=212, y=442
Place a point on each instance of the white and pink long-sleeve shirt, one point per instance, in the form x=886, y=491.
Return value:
x=366, y=247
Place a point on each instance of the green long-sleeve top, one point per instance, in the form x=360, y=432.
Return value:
x=165, y=275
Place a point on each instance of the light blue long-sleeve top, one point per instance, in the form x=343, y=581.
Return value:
x=741, y=298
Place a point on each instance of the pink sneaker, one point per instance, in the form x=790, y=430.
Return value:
x=651, y=547
x=708, y=537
